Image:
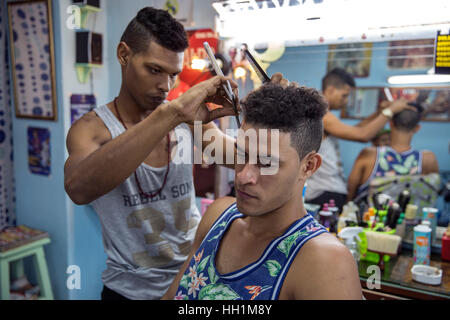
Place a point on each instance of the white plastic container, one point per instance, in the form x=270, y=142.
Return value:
x=426, y=274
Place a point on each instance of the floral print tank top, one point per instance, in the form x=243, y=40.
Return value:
x=260, y=280
x=392, y=163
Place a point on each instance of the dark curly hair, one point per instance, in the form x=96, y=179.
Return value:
x=296, y=110
x=157, y=25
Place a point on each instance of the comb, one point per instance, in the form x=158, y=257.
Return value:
x=262, y=75
x=388, y=94
x=226, y=87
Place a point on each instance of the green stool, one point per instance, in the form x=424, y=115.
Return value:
x=15, y=256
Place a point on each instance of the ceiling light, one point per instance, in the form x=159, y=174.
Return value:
x=198, y=64
x=419, y=79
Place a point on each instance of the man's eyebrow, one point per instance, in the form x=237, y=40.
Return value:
x=155, y=65
x=268, y=157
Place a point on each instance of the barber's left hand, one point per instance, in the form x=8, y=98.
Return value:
x=192, y=105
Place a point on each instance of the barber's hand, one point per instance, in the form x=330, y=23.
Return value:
x=277, y=78
x=400, y=105
x=191, y=105
x=384, y=104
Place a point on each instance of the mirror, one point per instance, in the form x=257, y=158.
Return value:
x=365, y=101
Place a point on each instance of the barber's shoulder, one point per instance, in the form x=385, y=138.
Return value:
x=329, y=118
x=368, y=152
x=90, y=127
x=213, y=212
x=367, y=156
x=428, y=153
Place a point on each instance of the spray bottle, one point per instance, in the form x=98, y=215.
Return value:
x=350, y=236
x=349, y=215
x=403, y=198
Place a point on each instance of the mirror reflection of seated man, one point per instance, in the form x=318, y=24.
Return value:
x=397, y=159
x=329, y=181
x=263, y=245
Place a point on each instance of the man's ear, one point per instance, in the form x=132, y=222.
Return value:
x=417, y=128
x=311, y=163
x=123, y=53
x=329, y=91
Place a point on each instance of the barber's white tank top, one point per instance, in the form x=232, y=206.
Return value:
x=330, y=175
x=147, y=239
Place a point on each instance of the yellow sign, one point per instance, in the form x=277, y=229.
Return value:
x=442, y=58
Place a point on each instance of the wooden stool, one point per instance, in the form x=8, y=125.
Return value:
x=16, y=256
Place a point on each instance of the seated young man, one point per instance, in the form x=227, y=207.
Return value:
x=383, y=138
x=263, y=244
x=397, y=159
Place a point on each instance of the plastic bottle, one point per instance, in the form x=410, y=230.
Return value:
x=430, y=214
x=411, y=211
x=345, y=210
x=353, y=206
x=371, y=221
x=335, y=215
x=445, y=252
x=350, y=235
x=400, y=228
x=341, y=223
x=422, y=244
x=366, y=216
x=403, y=199
x=335, y=211
x=349, y=211
x=325, y=219
x=352, y=212
x=332, y=203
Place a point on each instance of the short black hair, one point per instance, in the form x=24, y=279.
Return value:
x=157, y=25
x=337, y=78
x=406, y=120
x=296, y=110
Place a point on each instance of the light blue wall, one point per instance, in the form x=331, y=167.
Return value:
x=85, y=245
x=121, y=15
x=41, y=201
x=307, y=65
x=85, y=242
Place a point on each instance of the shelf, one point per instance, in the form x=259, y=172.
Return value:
x=85, y=11
x=84, y=70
